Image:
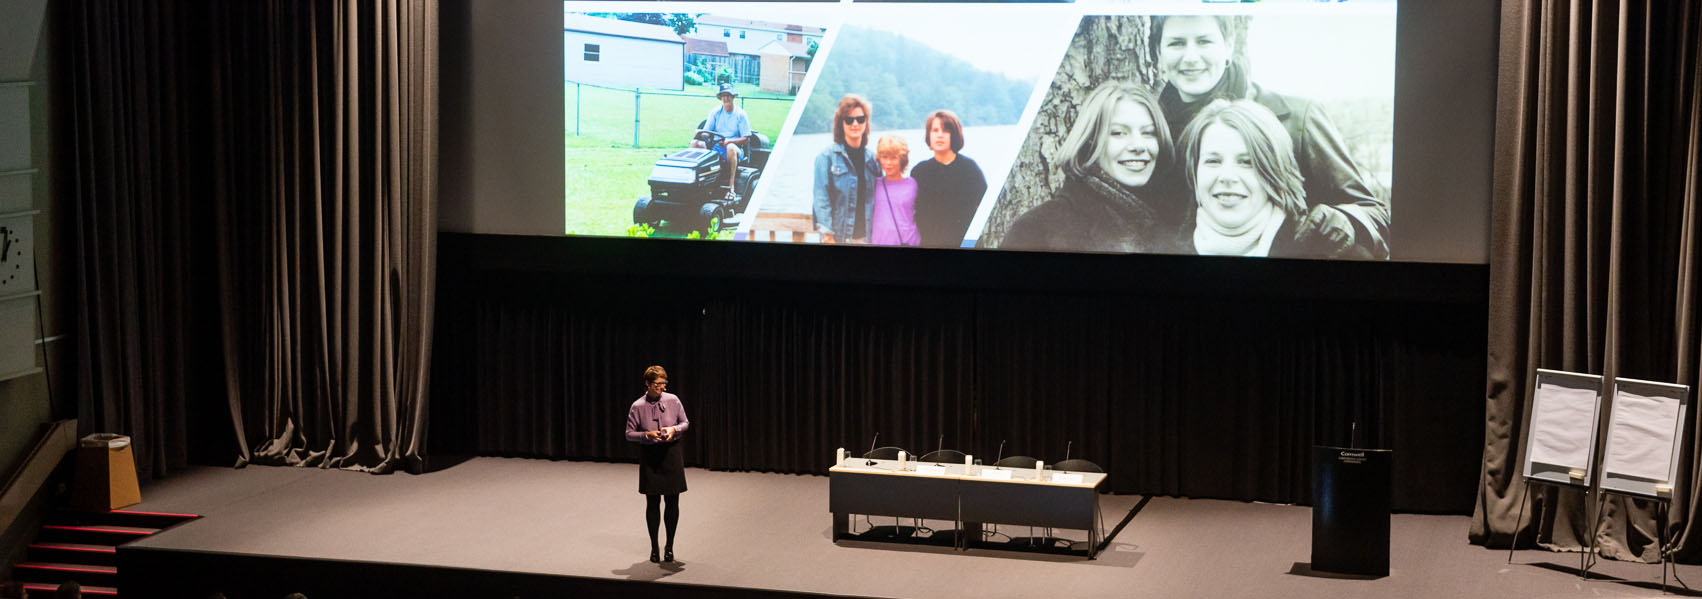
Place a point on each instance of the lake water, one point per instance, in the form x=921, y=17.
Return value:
x=788, y=184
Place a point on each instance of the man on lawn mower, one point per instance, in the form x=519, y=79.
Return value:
x=732, y=126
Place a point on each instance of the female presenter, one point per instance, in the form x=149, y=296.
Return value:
x=655, y=422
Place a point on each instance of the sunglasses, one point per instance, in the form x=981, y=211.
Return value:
x=855, y=120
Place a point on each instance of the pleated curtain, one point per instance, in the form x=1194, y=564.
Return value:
x=1594, y=247
x=253, y=186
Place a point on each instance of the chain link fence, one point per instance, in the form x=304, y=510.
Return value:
x=641, y=118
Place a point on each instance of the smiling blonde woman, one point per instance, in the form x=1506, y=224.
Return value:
x=1115, y=176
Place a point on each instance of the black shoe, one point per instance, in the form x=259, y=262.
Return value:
x=654, y=559
x=668, y=556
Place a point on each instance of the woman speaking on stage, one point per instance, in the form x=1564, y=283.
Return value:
x=655, y=422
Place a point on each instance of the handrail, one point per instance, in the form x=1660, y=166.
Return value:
x=32, y=473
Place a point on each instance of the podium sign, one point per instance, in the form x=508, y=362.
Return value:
x=1351, y=491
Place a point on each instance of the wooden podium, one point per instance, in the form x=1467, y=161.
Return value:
x=1351, y=491
x=106, y=474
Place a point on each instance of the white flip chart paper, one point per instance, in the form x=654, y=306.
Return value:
x=1640, y=438
x=1561, y=427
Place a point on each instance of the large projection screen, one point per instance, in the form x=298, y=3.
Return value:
x=1072, y=123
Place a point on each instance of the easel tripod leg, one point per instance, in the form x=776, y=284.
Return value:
x=1514, y=542
x=1663, y=545
x=1586, y=559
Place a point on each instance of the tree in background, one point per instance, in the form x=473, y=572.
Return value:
x=906, y=81
x=680, y=22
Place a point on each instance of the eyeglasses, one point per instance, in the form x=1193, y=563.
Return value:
x=658, y=383
x=855, y=120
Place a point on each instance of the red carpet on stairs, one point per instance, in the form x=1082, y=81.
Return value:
x=83, y=546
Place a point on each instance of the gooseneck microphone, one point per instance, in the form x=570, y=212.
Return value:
x=871, y=461
x=938, y=447
x=1067, y=450
x=1001, y=454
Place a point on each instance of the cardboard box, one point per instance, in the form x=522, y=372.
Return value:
x=106, y=474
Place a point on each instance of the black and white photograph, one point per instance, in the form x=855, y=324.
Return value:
x=1264, y=136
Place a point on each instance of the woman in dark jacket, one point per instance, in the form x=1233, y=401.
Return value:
x=1195, y=59
x=1248, y=195
x=1109, y=201
x=655, y=421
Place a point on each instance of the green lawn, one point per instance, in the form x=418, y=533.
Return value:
x=602, y=184
x=665, y=121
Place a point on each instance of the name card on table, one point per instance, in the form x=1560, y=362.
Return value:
x=931, y=470
x=995, y=474
x=1068, y=478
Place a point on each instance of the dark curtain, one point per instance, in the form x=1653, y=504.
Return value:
x=131, y=220
x=254, y=191
x=1203, y=397
x=769, y=386
x=1594, y=244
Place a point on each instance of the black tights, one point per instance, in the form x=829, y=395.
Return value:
x=653, y=515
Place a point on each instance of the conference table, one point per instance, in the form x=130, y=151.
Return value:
x=970, y=496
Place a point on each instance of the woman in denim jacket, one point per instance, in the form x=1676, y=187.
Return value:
x=845, y=176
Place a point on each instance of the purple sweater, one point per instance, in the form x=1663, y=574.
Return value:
x=646, y=415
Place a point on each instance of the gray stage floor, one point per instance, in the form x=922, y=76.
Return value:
x=771, y=531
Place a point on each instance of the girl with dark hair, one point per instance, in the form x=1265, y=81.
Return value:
x=949, y=186
x=1117, y=149
x=1195, y=57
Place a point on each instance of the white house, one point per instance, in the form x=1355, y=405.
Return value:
x=744, y=41
x=621, y=53
x=745, y=36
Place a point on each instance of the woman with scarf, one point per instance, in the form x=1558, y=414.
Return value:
x=1248, y=196
x=1195, y=60
x=655, y=422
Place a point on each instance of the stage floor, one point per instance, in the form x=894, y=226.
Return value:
x=772, y=531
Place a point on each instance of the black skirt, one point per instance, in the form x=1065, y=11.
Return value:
x=662, y=469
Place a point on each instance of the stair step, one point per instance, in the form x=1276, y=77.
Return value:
x=80, y=553
x=138, y=518
x=56, y=573
x=65, y=567
x=43, y=589
x=93, y=534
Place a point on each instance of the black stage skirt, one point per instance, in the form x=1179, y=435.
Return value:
x=662, y=469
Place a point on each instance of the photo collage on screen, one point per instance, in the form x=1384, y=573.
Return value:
x=1159, y=127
